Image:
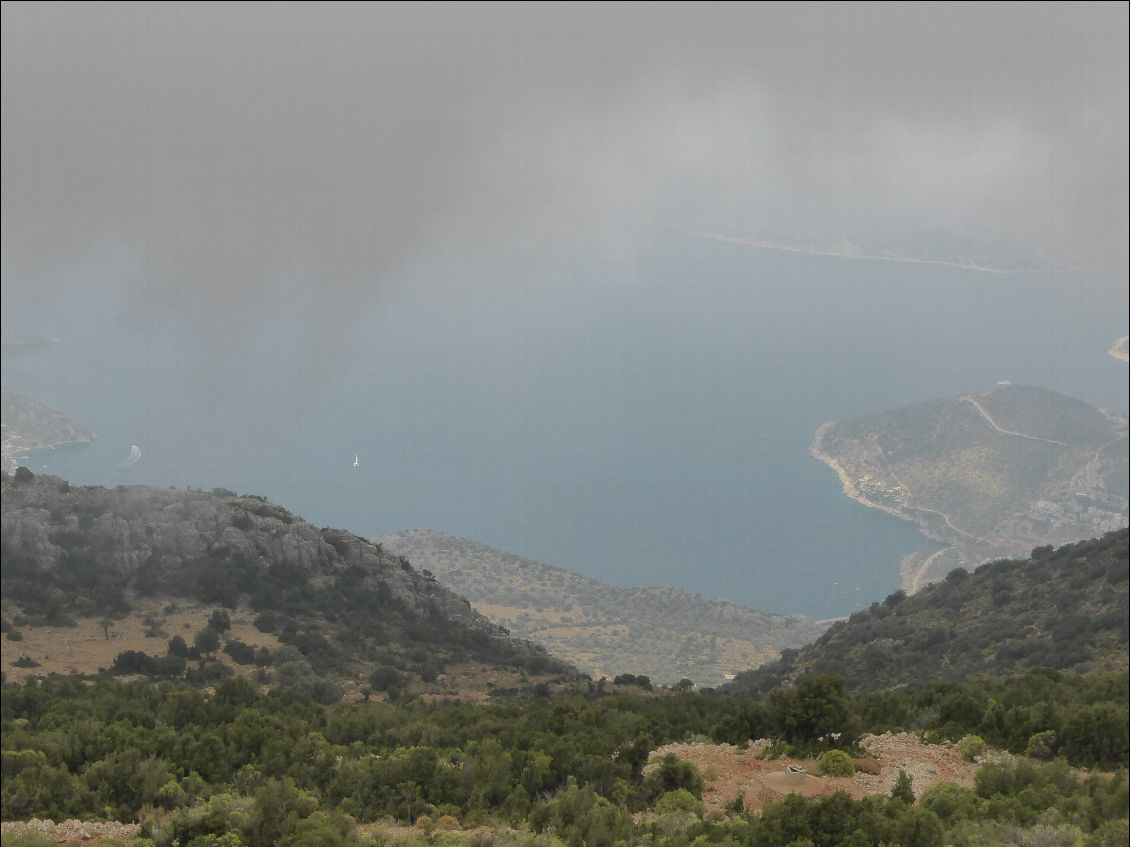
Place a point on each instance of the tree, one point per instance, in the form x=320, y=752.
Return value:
x=814, y=709
x=641, y=681
x=207, y=640
x=178, y=646
x=672, y=774
x=904, y=788
x=220, y=621
x=1097, y=735
x=386, y=679
x=918, y=828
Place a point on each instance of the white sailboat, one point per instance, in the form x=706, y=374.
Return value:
x=356, y=461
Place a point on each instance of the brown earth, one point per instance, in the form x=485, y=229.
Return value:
x=85, y=649
x=731, y=771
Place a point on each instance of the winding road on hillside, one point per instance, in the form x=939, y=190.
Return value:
x=993, y=424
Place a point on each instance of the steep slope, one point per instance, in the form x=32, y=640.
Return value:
x=346, y=606
x=664, y=633
x=1060, y=609
x=988, y=475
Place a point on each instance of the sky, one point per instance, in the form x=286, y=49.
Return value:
x=193, y=164
x=220, y=151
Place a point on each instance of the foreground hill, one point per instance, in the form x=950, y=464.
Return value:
x=344, y=608
x=987, y=475
x=1061, y=609
x=663, y=633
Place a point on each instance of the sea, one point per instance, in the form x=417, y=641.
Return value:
x=645, y=421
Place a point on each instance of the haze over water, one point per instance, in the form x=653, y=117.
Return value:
x=451, y=239
x=644, y=425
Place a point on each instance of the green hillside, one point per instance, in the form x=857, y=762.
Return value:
x=1062, y=609
x=330, y=606
x=987, y=475
x=603, y=629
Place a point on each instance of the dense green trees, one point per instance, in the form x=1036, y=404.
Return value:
x=282, y=767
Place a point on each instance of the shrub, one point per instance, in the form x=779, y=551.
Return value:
x=1042, y=745
x=868, y=765
x=243, y=654
x=448, y=823
x=837, y=763
x=679, y=800
x=386, y=679
x=949, y=801
x=971, y=746
x=207, y=640
x=673, y=774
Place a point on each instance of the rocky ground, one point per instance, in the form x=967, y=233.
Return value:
x=71, y=831
x=731, y=770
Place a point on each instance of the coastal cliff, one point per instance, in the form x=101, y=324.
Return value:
x=29, y=425
x=987, y=475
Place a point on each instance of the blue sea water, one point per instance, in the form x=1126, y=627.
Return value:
x=644, y=424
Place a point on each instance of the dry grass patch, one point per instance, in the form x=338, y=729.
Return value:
x=85, y=649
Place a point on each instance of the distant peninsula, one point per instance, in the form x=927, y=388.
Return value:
x=10, y=338
x=978, y=260
x=605, y=630
x=1118, y=349
x=29, y=425
x=987, y=475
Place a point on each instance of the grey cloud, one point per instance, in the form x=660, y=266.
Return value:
x=235, y=150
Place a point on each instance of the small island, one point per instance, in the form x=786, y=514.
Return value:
x=1118, y=349
x=985, y=475
x=29, y=425
x=10, y=338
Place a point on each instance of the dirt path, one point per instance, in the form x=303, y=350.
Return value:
x=993, y=424
x=920, y=572
x=907, y=504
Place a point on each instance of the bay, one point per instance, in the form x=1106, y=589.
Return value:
x=645, y=422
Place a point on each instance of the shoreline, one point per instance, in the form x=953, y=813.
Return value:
x=8, y=453
x=872, y=257
x=909, y=570
x=816, y=451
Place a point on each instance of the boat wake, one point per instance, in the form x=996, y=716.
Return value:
x=134, y=457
